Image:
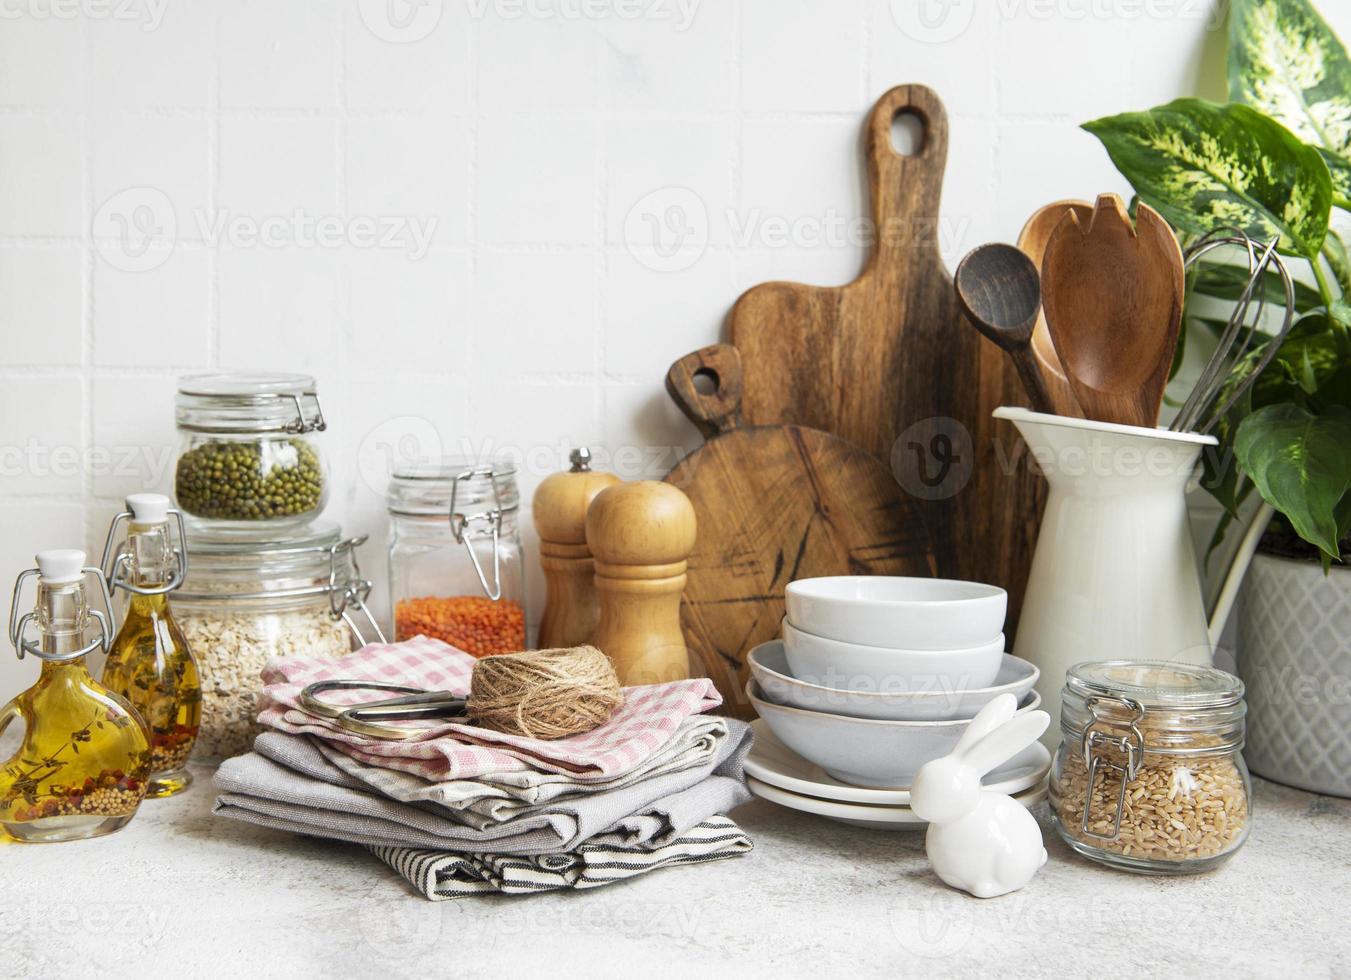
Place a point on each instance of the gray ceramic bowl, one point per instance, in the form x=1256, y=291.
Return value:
x=942, y=702
x=864, y=751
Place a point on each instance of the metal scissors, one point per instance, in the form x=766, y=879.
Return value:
x=364, y=718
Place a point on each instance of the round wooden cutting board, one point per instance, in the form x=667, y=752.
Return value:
x=774, y=504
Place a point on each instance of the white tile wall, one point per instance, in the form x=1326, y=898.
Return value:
x=600, y=181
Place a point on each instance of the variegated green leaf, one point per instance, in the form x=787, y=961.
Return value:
x=1205, y=166
x=1301, y=467
x=1340, y=169
x=1286, y=61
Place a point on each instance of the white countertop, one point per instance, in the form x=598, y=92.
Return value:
x=182, y=893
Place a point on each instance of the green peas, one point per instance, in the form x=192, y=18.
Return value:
x=249, y=481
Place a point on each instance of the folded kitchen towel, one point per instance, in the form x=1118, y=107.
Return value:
x=504, y=796
x=450, y=751
x=604, y=859
x=296, y=788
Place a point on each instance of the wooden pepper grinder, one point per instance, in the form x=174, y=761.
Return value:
x=641, y=534
x=559, y=508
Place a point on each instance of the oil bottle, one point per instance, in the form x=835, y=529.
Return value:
x=149, y=663
x=81, y=768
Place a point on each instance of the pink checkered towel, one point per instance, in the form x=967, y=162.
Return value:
x=645, y=722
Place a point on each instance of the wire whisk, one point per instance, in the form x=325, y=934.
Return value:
x=1204, y=408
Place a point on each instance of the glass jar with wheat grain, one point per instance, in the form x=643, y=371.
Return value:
x=1149, y=776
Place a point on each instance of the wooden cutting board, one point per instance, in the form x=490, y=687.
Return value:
x=774, y=504
x=887, y=362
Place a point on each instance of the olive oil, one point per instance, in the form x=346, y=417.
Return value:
x=82, y=766
x=150, y=663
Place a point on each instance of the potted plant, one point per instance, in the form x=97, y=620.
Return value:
x=1276, y=162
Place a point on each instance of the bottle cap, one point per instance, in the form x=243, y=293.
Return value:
x=61, y=566
x=148, y=508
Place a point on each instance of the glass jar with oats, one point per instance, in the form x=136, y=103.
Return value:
x=244, y=602
x=1149, y=776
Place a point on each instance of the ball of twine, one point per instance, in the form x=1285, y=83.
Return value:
x=544, y=694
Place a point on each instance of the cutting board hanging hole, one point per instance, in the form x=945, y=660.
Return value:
x=706, y=381
x=907, y=133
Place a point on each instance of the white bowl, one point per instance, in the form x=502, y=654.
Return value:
x=855, y=667
x=864, y=751
x=769, y=667
x=889, y=611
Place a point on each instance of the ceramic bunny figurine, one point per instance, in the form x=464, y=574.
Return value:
x=979, y=841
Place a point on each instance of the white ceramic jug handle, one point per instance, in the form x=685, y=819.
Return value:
x=1233, y=579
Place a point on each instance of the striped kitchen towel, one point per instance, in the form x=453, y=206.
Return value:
x=647, y=720
x=604, y=859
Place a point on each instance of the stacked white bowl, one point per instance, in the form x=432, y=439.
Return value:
x=875, y=676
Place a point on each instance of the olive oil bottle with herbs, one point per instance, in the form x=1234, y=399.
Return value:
x=81, y=768
x=149, y=663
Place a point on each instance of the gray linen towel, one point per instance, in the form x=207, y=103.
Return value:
x=604, y=859
x=493, y=799
x=309, y=795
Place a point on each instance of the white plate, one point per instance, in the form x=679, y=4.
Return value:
x=773, y=763
x=860, y=815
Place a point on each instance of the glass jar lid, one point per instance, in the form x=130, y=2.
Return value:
x=299, y=563
x=1176, y=708
x=454, y=484
x=248, y=402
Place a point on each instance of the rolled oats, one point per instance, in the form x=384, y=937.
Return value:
x=231, y=649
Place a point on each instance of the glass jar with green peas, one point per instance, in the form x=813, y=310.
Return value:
x=249, y=459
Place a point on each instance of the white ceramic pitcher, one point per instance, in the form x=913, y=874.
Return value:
x=1114, y=575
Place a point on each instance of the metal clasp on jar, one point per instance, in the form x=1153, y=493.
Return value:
x=115, y=565
x=493, y=518
x=301, y=425
x=1130, y=745
x=351, y=592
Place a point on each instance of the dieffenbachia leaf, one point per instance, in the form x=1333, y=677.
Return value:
x=1205, y=166
x=1287, y=62
x=1300, y=465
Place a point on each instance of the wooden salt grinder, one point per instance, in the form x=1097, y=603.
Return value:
x=641, y=534
x=559, y=508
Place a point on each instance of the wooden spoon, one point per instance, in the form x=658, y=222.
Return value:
x=1113, y=299
x=1032, y=240
x=1000, y=292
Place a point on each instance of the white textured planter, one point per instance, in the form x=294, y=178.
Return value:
x=1295, y=658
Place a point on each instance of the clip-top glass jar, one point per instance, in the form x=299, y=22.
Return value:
x=456, y=571
x=249, y=460
x=1150, y=774
x=243, y=603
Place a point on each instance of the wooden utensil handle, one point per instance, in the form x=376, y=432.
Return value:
x=905, y=188
x=712, y=411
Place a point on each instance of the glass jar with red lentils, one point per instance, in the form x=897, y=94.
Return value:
x=456, y=569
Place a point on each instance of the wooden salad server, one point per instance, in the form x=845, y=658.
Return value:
x=1032, y=241
x=1112, y=291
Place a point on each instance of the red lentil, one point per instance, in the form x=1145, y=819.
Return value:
x=475, y=624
